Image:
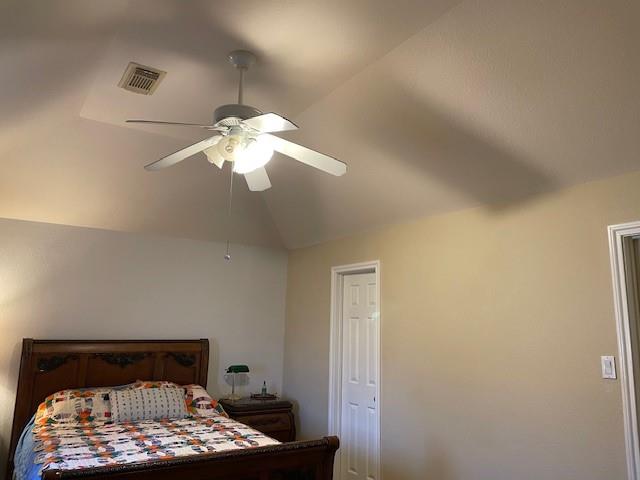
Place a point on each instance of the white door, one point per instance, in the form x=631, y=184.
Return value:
x=359, y=412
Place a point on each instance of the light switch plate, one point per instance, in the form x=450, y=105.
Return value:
x=608, y=364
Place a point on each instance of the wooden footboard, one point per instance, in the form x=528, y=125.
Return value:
x=310, y=460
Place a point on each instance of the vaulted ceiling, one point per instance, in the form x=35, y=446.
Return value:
x=435, y=106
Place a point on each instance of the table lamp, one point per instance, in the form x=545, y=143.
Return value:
x=234, y=370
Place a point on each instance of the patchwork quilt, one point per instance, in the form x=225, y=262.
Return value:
x=75, y=446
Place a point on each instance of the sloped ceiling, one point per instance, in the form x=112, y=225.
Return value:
x=434, y=105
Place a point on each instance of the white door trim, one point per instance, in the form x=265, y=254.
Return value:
x=335, y=351
x=617, y=233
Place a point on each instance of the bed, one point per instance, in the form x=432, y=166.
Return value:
x=48, y=366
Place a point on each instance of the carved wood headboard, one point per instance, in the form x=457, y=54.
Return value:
x=47, y=366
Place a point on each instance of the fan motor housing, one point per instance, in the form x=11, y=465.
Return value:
x=234, y=110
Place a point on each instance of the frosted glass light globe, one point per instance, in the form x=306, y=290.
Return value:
x=214, y=157
x=229, y=147
x=255, y=155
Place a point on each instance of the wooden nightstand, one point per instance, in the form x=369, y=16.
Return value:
x=271, y=417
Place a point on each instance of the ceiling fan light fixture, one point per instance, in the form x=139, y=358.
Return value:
x=256, y=154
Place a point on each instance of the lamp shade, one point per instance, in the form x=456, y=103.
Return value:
x=238, y=369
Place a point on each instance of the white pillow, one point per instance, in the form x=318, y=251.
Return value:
x=147, y=404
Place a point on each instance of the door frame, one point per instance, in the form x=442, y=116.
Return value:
x=335, y=352
x=617, y=235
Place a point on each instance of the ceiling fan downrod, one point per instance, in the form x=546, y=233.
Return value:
x=241, y=60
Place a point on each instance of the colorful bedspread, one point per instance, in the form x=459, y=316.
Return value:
x=74, y=447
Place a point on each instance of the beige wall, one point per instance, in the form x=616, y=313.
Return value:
x=70, y=282
x=493, y=321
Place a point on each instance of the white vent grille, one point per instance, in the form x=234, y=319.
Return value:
x=141, y=79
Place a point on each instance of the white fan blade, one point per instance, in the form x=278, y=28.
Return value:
x=307, y=156
x=257, y=180
x=182, y=154
x=156, y=122
x=270, y=122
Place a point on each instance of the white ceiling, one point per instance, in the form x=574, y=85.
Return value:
x=435, y=106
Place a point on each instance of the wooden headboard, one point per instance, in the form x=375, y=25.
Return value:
x=47, y=366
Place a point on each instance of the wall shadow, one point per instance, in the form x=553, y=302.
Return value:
x=415, y=134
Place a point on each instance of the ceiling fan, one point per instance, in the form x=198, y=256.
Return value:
x=241, y=134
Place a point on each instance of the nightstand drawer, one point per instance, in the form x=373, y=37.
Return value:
x=267, y=422
x=272, y=417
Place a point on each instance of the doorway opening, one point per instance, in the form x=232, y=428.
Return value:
x=624, y=245
x=354, y=370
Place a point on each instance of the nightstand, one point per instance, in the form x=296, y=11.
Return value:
x=271, y=417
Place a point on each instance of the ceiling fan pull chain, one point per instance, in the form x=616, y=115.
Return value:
x=227, y=255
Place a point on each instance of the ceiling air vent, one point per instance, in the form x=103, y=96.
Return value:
x=141, y=79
